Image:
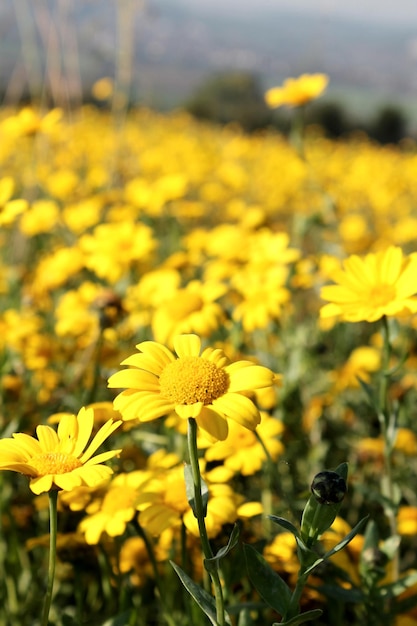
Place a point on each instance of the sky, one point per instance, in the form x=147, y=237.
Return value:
x=369, y=10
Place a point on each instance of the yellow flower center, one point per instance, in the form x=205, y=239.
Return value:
x=192, y=379
x=181, y=307
x=54, y=463
x=381, y=295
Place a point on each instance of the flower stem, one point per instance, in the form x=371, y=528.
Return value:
x=200, y=515
x=53, y=523
x=388, y=428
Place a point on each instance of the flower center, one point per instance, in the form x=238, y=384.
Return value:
x=184, y=304
x=192, y=379
x=381, y=295
x=54, y=463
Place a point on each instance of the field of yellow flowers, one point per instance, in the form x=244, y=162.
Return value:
x=197, y=326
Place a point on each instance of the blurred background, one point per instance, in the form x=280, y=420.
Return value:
x=217, y=58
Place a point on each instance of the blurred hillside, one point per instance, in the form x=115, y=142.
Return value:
x=160, y=51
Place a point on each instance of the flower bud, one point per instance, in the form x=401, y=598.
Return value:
x=328, y=487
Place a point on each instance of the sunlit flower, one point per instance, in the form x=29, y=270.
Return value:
x=111, y=511
x=62, y=459
x=242, y=451
x=368, y=288
x=297, y=91
x=201, y=386
x=192, y=309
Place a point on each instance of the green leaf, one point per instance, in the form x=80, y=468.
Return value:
x=267, y=583
x=397, y=588
x=346, y=539
x=118, y=620
x=204, y=600
x=284, y=523
x=301, y=619
x=189, y=489
x=370, y=393
x=213, y=563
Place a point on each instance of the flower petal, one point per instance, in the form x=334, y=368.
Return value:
x=48, y=439
x=239, y=408
x=215, y=427
x=187, y=345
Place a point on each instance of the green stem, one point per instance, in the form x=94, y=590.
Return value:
x=294, y=606
x=200, y=514
x=388, y=429
x=53, y=523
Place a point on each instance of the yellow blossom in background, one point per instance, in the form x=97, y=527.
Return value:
x=407, y=520
x=368, y=288
x=62, y=459
x=41, y=217
x=242, y=452
x=9, y=209
x=112, y=249
x=192, y=309
x=110, y=512
x=103, y=88
x=296, y=92
x=360, y=364
x=202, y=386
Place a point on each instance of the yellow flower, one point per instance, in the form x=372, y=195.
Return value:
x=297, y=91
x=201, y=386
x=369, y=288
x=111, y=511
x=190, y=309
x=60, y=460
x=242, y=452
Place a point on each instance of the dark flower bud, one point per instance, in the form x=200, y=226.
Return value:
x=328, y=487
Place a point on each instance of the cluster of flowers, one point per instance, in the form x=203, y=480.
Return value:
x=187, y=233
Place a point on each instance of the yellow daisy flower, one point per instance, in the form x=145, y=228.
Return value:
x=60, y=460
x=297, y=91
x=368, y=288
x=202, y=386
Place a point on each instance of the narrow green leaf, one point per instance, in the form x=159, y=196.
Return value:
x=397, y=588
x=281, y=521
x=118, y=620
x=222, y=552
x=201, y=597
x=267, y=583
x=347, y=539
x=189, y=489
x=302, y=618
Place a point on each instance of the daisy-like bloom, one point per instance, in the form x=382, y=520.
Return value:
x=242, y=452
x=296, y=92
x=368, y=288
x=203, y=386
x=60, y=459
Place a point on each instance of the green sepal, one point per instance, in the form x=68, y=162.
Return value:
x=201, y=597
x=270, y=586
x=213, y=563
x=301, y=619
x=189, y=490
x=284, y=523
x=317, y=517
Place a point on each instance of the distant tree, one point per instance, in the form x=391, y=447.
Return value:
x=231, y=97
x=389, y=125
x=332, y=117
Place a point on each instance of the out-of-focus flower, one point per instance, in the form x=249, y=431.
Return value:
x=9, y=209
x=192, y=309
x=115, y=509
x=202, y=386
x=242, y=451
x=360, y=364
x=368, y=288
x=296, y=92
x=62, y=459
